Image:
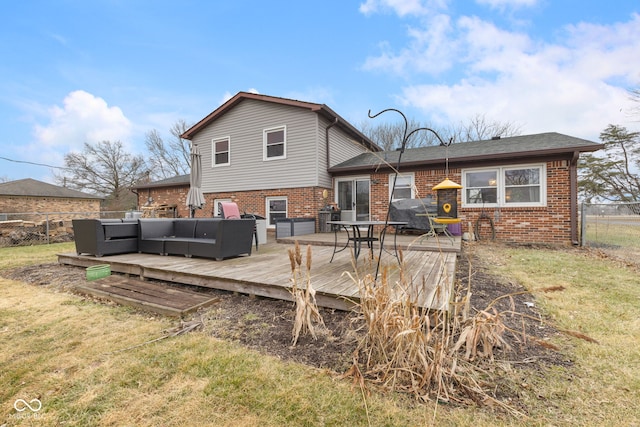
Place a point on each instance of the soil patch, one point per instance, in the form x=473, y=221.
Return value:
x=266, y=325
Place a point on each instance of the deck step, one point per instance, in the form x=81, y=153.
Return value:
x=156, y=297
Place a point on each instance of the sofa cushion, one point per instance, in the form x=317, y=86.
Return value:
x=155, y=228
x=207, y=228
x=184, y=227
x=119, y=230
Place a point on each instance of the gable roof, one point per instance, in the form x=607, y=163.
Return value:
x=174, y=181
x=34, y=188
x=499, y=149
x=321, y=109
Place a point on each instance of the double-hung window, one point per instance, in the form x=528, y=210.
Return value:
x=276, y=209
x=221, y=149
x=404, y=186
x=517, y=186
x=275, y=143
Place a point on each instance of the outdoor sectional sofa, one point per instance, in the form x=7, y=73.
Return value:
x=202, y=237
x=105, y=236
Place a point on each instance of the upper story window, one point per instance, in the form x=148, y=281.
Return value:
x=504, y=186
x=275, y=143
x=404, y=186
x=221, y=149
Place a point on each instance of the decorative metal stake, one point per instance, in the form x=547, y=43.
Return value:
x=403, y=146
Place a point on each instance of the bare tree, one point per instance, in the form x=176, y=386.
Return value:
x=389, y=135
x=169, y=159
x=479, y=128
x=104, y=169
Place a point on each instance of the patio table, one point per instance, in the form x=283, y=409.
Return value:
x=357, y=237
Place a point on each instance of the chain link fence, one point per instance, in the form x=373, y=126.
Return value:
x=612, y=227
x=42, y=228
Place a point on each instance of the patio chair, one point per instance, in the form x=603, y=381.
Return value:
x=230, y=210
x=436, y=228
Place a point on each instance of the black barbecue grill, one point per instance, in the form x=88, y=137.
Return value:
x=406, y=210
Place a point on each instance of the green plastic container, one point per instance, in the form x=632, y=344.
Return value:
x=99, y=271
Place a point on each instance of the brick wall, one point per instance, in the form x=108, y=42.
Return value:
x=168, y=196
x=302, y=202
x=549, y=224
x=25, y=204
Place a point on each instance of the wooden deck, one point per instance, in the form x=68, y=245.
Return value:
x=430, y=264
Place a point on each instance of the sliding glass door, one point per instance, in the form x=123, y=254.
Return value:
x=354, y=198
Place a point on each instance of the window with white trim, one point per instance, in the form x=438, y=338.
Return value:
x=217, y=208
x=404, y=186
x=221, y=149
x=275, y=143
x=505, y=186
x=276, y=209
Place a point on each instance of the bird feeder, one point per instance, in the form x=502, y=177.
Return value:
x=447, y=197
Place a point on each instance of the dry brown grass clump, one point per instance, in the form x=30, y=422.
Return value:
x=426, y=352
x=304, y=296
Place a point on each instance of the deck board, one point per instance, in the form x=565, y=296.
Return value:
x=267, y=272
x=157, y=297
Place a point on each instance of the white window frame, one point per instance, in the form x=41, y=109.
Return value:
x=402, y=177
x=501, y=188
x=268, y=211
x=213, y=151
x=216, y=206
x=265, y=134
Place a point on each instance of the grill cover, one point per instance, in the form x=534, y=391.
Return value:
x=405, y=210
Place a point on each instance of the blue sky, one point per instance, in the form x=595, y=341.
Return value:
x=80, y=71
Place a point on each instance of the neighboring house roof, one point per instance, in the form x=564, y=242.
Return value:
x=33, y=188
x=321, y=109
x=168, y=182
x=499, y=149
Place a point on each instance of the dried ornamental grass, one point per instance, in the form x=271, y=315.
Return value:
x=304, y=296
x=411, y=349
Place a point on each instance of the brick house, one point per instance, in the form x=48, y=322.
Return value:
x=278, y=158
x=32, y=196
x=523, y=186
x=269, y=155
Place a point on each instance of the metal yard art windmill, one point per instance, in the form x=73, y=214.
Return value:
x=446, y=191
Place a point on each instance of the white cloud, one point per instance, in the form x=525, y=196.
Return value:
x=431, y=50
x=576, y=84
x=402, y=7
x=82, y=118
x=510, y=4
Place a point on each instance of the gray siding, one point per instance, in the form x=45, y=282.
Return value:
x=306, y=153
x=341, y=148
x=245, y=124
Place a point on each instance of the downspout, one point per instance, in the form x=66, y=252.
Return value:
x=573, y=184
x=335, y=122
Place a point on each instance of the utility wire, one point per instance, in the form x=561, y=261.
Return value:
x=33, y=163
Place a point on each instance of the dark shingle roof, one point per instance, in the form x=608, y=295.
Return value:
x=512, y=148
x=34, y=188
x=168, y=182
